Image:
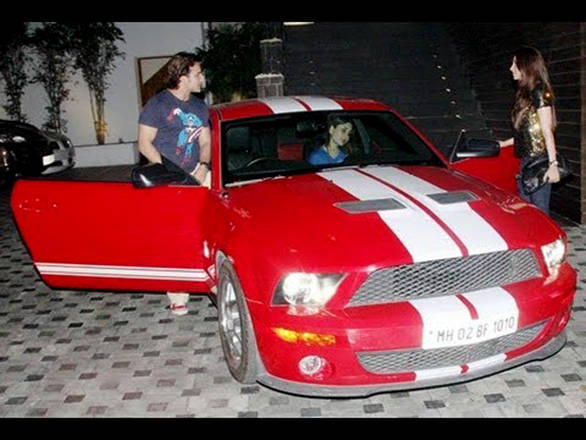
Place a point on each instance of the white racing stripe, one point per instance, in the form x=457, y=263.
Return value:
x=317, y=103
x=492, y=302
x=283, y=104
x=133, y=272
x=437, y=314
x=474, y=231
x=448, y=322
x=423, y=237
x=434, y=373
x=486, y=363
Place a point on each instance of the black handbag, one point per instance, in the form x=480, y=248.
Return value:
x=533, y=172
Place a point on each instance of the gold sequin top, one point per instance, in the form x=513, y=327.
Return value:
x=529, y=140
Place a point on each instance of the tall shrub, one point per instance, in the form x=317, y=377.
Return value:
x=13, y=41
x=95, y=51
x=53, y=68
x=232, y=60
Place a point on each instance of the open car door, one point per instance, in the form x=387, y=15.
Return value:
x=113, y=236
x=485, y=160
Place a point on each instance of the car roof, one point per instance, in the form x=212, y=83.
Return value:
x=17, y=124
x=293, y=104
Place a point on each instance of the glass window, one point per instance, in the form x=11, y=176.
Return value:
x=306, y=142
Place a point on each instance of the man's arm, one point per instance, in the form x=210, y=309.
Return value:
x=146, y=136
x=205, y=147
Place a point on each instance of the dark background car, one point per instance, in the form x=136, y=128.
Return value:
x=25, y=150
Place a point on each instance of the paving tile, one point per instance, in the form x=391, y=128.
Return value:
x=494, y=398
x=104, y=354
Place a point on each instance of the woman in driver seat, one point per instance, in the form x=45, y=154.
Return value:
x=335, y=149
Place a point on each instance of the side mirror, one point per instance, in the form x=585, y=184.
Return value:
x=474, y=147
x=156, y=174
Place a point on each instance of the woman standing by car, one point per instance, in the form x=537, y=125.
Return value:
x=534, y=120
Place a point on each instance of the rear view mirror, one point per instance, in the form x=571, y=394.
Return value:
x=156, y=174
x=474, y=147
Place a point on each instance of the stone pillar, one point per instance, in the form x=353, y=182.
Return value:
x=269, y=84
x=270, y=81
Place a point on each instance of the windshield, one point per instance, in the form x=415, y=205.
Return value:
x=307, y=142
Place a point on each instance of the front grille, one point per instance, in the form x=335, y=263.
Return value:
x=446, y=277
x=410, y=360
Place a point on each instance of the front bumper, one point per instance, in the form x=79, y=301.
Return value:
x=380, y=348
x=58, y=160
x=316, y=390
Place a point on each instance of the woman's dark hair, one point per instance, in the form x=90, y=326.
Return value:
x=533, y=70
x=178, y=66
x=333, y=121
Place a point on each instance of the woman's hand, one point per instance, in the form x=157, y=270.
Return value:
x=553, y=174
x=506, y=142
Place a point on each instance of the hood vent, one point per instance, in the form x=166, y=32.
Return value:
x=363, y=206
x=449, y=198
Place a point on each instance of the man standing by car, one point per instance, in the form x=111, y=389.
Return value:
x=174, y=129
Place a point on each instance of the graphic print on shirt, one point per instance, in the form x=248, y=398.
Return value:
x=192, y=126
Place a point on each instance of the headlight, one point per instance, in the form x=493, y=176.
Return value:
x=553, y=254
x=306, y=289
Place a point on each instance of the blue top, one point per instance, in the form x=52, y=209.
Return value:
x=320, y=156
x=178, y=125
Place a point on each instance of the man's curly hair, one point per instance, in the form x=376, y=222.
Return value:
x=178, y=66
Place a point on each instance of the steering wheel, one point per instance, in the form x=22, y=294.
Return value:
x=256, y=160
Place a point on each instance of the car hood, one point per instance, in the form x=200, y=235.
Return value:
x=383, y=215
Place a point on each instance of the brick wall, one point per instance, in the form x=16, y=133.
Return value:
x=448, y=76
x=583, y=119
x=413, y=67
x=486, y=51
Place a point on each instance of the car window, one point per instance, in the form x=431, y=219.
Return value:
x=297, y=143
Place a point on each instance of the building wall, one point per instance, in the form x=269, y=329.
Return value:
x=413, y=67
x=486, y=50
x=445, y=77
x=122, y=97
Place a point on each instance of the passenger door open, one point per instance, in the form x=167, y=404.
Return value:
x=483, y=159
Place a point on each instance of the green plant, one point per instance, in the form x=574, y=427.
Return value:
x=95, y=51
x=13, y=40
x=232, y=60
x=53, y=69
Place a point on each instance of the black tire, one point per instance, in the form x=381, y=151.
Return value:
x=235, y=327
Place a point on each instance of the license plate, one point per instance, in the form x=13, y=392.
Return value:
x=468, y=333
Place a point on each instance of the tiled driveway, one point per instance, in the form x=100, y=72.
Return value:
x=78, y=354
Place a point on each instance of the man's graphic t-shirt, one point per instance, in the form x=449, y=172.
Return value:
x=179, y=124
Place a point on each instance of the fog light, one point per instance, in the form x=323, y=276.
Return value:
x=312, y=365
x=306, y=338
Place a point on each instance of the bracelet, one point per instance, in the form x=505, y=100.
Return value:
x=207, y=165
x=553, y=162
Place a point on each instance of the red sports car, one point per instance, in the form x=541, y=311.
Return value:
x=396, y=268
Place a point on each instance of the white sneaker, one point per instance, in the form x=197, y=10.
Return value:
x=178, y=309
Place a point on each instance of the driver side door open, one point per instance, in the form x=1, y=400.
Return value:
x=107, y=235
